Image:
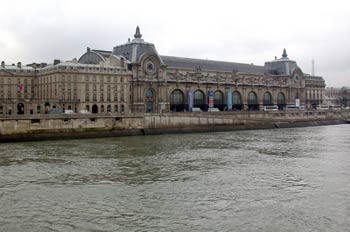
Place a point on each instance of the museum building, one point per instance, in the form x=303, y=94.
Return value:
x=134, y=78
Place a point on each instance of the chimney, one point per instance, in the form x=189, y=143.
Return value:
x=19, y=65
x=2, y=64
x=56, y=62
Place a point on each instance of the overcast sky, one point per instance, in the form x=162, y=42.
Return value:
x=239, y=31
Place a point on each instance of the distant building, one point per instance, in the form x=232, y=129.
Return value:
x=133, y=77
x=337, y=96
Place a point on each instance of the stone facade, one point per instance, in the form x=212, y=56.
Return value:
x=134, y=78
x=102, y=88
x=337, y=96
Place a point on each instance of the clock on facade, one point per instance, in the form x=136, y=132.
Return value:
x=150, y=67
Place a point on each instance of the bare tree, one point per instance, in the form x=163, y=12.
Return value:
x=344, y=96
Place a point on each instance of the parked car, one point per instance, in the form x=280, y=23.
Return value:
x=196, y=109
x=55, y=111
x=294, y=107
x=213, y=110
x=270, y=108
x=84, y=112
x=321, y=107
x=68, y=111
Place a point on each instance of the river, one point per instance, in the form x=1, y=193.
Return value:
x=260, y=180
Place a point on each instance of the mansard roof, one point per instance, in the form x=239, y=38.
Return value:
x=314, y=78
x=212, y=65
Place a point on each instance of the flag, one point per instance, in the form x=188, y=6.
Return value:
x=211, y=99
x=229, y=100
x=190, y=99
x=19, y=88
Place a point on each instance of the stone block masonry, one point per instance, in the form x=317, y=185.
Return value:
x=44, y=127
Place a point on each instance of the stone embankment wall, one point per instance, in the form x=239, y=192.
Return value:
x=37, y=127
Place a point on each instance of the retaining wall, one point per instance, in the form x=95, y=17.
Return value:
x=39, y=127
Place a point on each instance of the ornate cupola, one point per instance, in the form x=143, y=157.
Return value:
x=281, y=66
x=134, y=51
x=137, y=34
x=284, y=55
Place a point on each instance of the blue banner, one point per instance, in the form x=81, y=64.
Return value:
x=211, y=99
x=229, y=100
x=190, y=100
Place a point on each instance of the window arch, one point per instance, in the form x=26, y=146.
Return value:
x=94, y=109
x=177, y=101
x=176, y=97
x=149, y=93
x=218, y=98
x=236, y=100
x=281, y=101
x=252, y=101
x=149, y=101
x=198, y=98
x=267, y=100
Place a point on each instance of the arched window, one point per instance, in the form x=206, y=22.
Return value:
x=198, y=98
x=94, y=109
x=177, y=101
x=122, y=109
x=267, y=101
x=102, y=108
x=281, y=101
x=116, y=109
x=236, y=98
x=237, y=101
x=109, y=108
x=149, y=101
x=149, y=93
x=252, y=101
x=176, y=97
x=218, y=98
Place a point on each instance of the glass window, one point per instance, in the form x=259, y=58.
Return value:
x=281, y=99
x=177, y=97
x=198, y=97
x=267, y=99
x=236, y=98
x=218, y=98
x=252, y=100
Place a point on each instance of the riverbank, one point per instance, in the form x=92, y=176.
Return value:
x=48, y=127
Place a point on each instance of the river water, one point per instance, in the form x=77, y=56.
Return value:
x=264, y=180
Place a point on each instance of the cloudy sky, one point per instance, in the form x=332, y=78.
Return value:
x=246, y=31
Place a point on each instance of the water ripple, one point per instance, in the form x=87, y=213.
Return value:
x=264, y=180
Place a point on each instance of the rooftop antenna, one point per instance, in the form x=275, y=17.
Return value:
x=312, y=67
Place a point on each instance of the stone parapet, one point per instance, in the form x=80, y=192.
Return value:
x=35, y=127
